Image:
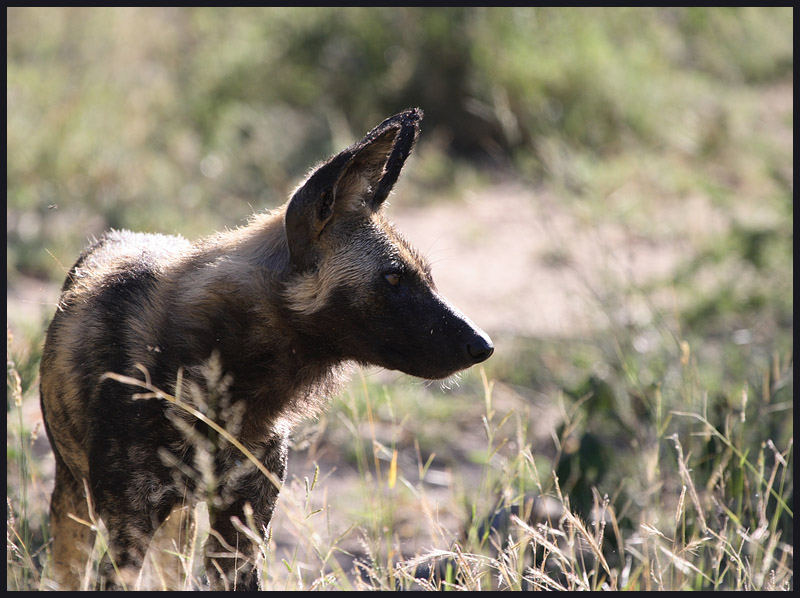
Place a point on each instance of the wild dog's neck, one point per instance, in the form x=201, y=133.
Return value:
x=231, y=290
x=260, y=243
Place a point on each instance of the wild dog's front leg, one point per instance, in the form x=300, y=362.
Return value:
x=231, y=556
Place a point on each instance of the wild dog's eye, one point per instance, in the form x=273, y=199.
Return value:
x=393, y=278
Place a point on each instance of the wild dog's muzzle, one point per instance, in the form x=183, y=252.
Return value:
x=453, y=342
x=480, y=347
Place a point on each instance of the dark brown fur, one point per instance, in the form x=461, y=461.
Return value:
x=256, y=323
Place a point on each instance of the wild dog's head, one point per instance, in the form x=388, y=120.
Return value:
x=359, y=288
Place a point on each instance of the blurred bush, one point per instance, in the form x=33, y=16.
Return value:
x=179, y=118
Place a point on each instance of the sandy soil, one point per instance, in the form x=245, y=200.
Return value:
x=518, y=262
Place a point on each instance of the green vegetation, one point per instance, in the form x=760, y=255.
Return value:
x=137, y=117
x=653, y=451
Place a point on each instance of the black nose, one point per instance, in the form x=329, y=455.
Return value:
x=480, y=348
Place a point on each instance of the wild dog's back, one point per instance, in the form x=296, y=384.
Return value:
x=102, y=303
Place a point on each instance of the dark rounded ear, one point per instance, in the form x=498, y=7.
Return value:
x=310, y=210
x=365, y=173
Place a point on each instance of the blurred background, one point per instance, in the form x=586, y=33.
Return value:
x=607, y=192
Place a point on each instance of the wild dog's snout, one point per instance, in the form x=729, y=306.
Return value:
x=476, y=346
x=453, y=342
x=480, y=346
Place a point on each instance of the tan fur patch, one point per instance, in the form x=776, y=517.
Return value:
x=350, y=267
x=353, y=266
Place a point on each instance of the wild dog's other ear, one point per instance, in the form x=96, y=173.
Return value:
x=364, y=172
x=379, y=157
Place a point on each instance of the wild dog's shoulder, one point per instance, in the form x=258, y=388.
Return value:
x=125, y=245
x=119, y=257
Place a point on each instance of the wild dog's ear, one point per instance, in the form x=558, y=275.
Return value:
x=363, y=174
x=310, y=210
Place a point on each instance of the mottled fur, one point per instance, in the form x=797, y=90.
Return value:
x=256, y=323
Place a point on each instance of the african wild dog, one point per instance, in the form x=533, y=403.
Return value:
x=280, y=304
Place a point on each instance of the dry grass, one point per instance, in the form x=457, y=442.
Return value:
x=531, y=538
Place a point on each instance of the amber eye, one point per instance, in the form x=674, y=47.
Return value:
x=392, y=278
